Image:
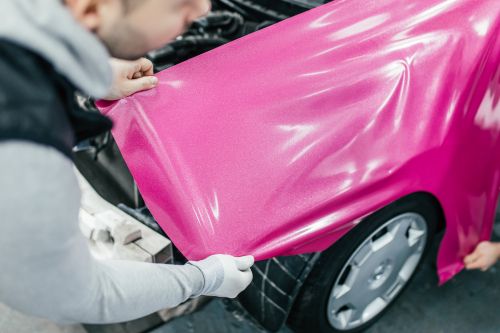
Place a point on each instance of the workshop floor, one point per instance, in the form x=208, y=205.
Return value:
x=469, y=303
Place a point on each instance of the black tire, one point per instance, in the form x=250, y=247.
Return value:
x=309, y=312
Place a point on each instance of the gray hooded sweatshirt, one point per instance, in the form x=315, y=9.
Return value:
x=46, y=269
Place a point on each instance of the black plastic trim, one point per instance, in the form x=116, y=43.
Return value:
x=277, y=282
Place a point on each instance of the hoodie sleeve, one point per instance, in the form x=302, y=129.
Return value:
x=46, y=269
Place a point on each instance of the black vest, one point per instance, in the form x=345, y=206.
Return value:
x=39, y=105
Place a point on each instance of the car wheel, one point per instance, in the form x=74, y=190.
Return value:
x=358, y=278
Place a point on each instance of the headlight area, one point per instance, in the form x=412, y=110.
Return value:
x=228, y=21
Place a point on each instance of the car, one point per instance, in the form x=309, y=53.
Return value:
x=332, y=143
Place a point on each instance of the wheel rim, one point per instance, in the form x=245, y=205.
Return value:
x=377, y=271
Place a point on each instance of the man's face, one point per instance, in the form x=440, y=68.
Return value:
x=134, y=27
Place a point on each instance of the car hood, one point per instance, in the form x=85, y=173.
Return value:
x=281, y=141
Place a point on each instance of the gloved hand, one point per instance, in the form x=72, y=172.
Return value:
x=225, y=275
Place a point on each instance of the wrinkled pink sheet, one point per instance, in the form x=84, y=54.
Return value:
x=280, y=142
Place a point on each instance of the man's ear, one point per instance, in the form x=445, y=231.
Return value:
x=86, y=12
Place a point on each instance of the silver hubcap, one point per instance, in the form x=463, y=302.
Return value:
x=377, y=271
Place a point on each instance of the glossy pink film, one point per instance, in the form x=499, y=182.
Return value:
x=278, y=143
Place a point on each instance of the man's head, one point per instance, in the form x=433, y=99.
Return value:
x=131, y=28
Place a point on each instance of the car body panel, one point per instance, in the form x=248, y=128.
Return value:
x=279, y=142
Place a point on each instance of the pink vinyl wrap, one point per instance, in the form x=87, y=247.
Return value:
x=278, y=143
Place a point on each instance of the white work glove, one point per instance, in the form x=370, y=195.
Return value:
x=225, y=275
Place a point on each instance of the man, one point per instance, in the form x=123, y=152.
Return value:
x=48, y=49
